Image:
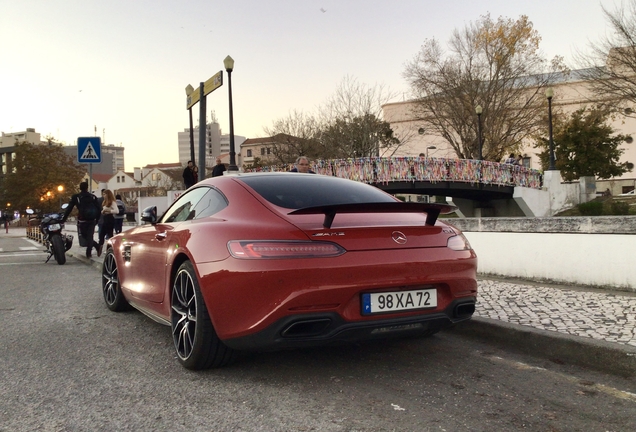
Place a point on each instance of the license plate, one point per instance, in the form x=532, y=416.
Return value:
x=373, y=303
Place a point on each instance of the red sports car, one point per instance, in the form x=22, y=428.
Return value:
x=279, y=260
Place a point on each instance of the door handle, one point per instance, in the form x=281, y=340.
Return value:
x=161, y=236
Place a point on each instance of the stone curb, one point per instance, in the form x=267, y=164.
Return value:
x=561, y=348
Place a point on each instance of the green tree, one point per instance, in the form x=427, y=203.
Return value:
x=493, y=64
x=35, y=174
x=365, y=136
x=585, y=145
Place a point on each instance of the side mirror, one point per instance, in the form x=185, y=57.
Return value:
x=149, y=214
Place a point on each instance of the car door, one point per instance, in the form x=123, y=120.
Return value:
x=151, y=245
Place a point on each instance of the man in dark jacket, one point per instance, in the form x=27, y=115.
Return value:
x=188, y=175
x=218, y=169
x=88, y=213
x=302, y=165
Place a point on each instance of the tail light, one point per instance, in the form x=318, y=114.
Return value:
x=458, y=243
x=273, y=249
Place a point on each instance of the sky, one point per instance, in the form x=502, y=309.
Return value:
x=118, y=68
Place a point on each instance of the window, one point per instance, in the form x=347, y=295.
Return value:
x=182, y=209
x=196, y=204
x=249, y=153
x=262, y=151
x=211, y=203
x=268, y=150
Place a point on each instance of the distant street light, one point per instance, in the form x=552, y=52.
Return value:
x=228, y=62
x=478, y=111
x=549, y=93
x=429, y=148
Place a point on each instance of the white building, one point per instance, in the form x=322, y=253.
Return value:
x=215, y=144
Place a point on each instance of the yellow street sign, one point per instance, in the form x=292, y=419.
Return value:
x=209, y=86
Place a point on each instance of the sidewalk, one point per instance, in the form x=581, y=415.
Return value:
x=582, y=325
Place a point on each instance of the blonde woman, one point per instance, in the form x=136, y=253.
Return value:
x=109, y=210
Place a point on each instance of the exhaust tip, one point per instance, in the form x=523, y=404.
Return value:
x=464, y=310
x=306, y=328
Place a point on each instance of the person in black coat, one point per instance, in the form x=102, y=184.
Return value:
x=89, y=212
x=188, y=175
x=218, y=169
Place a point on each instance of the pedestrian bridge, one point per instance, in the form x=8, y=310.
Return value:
x=475, y=180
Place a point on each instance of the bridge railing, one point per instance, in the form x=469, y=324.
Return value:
x=382, y=170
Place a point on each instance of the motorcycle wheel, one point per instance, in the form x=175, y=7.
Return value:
x=58, y=249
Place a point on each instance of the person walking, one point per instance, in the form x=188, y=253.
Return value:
x=100, y=221
x=218, y=169
x=188, y=175
x=121, y=214
x=88, y=213
x=109, y=210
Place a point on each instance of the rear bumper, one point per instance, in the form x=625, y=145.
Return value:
x=315, y=329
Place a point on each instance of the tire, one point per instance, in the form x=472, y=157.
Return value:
x=58, y=249
x=111, y=289
x=195, y=340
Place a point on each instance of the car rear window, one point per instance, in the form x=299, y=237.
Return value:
x=296, y=191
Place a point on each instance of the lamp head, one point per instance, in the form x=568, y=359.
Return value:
x=549, y=92
x=228, y=62
x=478, y=110
x=189, y=89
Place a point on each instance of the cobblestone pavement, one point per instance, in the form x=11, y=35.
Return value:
x=597, y=314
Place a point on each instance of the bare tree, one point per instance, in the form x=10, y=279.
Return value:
x=614, y=83
x=298, y=134
x=349, y=124
x=353, y=122
x=493, y=64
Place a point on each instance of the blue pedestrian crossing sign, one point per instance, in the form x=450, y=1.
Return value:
x=89, y=150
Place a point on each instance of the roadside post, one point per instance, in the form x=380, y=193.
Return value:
x=198, y=95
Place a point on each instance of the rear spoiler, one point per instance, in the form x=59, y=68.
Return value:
x=432, y=210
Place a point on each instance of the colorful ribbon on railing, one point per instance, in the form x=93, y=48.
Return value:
x=411, y=169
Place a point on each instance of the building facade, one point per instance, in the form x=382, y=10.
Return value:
x=571, y=92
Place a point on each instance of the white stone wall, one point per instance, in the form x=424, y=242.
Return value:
x=594, y=251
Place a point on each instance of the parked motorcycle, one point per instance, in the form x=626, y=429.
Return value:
x=55, y=241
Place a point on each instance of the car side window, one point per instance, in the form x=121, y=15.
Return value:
x=183, y=208
x=212, y=202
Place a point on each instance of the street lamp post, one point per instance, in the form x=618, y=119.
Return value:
x=228, y=62
x=549, y=93
x=189, y=89
x=60, y=189
x=478, y=111
x=429, y=148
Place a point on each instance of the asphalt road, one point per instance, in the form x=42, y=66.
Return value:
x=69, y=364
